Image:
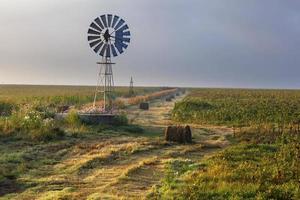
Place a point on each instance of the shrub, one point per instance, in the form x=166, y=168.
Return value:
x=47, y=131
x=32, y=120
x=72, y=119
x=7, y=108
x=120, y=120
x=30, y=123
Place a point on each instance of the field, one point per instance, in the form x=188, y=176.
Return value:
x=237, y=107
x=58, y=95
x=246, y=146
x=263, y=161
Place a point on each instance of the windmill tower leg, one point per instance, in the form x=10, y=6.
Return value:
x=105, y=85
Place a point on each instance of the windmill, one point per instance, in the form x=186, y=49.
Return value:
x=131, y=91
x=108, y=36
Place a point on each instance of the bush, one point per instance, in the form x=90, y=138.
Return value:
x=120, y=120
x=6, y=108
x=40, y=128
x=72, y=119
x=46, y=132
x=32, y=120
x=30, y=123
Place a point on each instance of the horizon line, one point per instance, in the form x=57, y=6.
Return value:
x=158, y=86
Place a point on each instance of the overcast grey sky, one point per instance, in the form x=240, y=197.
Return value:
x=200, y=43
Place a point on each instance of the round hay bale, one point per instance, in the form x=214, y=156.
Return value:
x=144, y=106
x=188, y=134
x=178, y=134
x=168, y=133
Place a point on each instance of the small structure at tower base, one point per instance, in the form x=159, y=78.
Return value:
x=97, y=118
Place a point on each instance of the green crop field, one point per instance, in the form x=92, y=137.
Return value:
x=238, y=107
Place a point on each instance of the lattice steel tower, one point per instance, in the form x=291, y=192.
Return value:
x=131, y=91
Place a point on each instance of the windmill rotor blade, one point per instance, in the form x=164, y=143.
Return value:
x=125, y=27
x=109, y=19
x=103, y=18
x=113, y=49
x=118, y=45
x=127, y=33
x=94, y=26
x=92, y=31
x=98, y=47
x=98, y=21
x=124, y=45
x=120, y=36
x=92, y=37
x=122, y=39
x=103, y=50
x=116, y=18
x=120, y=23
x=92, y=44
x=126, y=40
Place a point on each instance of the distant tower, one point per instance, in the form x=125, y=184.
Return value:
x=131, y=91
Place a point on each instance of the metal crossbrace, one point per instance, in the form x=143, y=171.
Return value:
x=105, y=84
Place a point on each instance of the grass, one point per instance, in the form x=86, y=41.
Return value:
x=28, y=165
x=133, y=169
x=243, y=171
x=20, y=158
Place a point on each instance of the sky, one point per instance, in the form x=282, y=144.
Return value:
x=188, y=43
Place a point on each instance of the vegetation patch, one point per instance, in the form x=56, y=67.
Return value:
x=133, y=169
x=7, y=108
x=276, y=109
x=97, y=162
x=244, y=171
x=262, y=163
